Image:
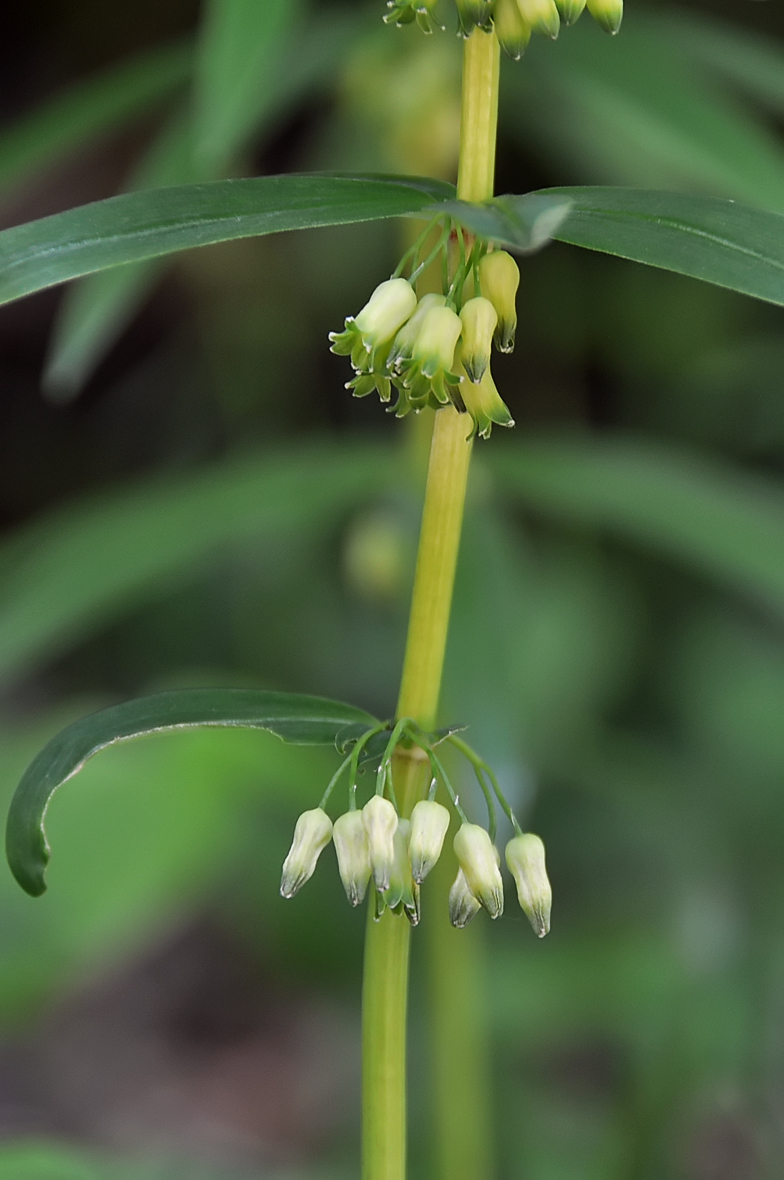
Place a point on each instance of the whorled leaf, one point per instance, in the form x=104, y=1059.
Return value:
x=300, y=719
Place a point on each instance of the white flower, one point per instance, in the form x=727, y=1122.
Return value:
x=353, y=854
x=403, y=889
x=429, y=824
x=311, y=835
x=463, y=906
x=379, y=819
x=478, y=858
x=525, y=860
x=479, y=319
x=388, y=308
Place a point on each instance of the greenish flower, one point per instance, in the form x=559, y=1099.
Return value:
x=312, y=833
x=485, y=405
x=429, y=825
x=525, y=860
x=390, y=305
x=403, y=891
x=541, y=15
x=380, y=821
x=473, y=13
x=429, y=370
x=463, y=906
x=570, y=10
x=478, y=858
x=499, y=278
x=480, y=320
x=402, y=348
x=608, y=13
x=511, y=28
x=351, y=846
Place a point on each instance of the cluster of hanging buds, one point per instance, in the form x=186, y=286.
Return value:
x=374, y=843
x=513, y=20
x=436, y=350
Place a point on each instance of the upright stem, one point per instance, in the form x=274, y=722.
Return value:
x=385, y=986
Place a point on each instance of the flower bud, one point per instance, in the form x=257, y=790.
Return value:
x=388, y=308
x=312, y=833
x=525, y=860
x=463, y=906
x=499, y=279
x=511, y=28
x=353, y=854
x=485, y=405
x=570, y=10
x=401, y=12
x=608, y=13
x=429, y=824
x=541, y=15
x=434, y=347
x=479, y=319
x=403, y=890
x=478, y=859
x=471, y=13
x=379, y=819
x=403, y=344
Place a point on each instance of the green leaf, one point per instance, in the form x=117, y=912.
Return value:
x=137, y=226
x=90, y=109
x=719, y=521
x=639, y=113
x=240, y=45
x=71, y=572
x=721, y=242
x=302, y=720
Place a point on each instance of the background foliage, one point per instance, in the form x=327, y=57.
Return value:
x=189, y=496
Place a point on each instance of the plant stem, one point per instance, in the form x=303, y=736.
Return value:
x=385, y=987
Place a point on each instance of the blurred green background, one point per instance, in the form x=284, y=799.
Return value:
x=189, y=496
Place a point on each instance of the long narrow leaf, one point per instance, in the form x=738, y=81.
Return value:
x=303, y=720
x=143, y=225
x=69, y=573
x=726, y=524
x=89, y=109
x=722, y=242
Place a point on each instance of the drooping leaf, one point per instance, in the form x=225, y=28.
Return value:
x=137, y=226
x=725, y=524
x=74, y=570
x=303, y=720
x=722, y=242
x=73, y=119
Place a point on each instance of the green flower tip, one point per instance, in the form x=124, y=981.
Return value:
x=511, y=28
x=541, y=15
x=499, y=278
x=353, y=853
x=478, y=858
x=607, y=13
x=570, y=10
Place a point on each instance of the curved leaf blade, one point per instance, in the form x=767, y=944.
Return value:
x=302, y=720
x=718, y=241
x=141, y=225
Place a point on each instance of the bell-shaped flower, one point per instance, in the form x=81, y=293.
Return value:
x=608, y=13
x=312, y=833
x=471, y=13
x=478, y=858
x=480, y=320
x=432, y=357
x=570, y=10
x=541, y=15
x=499, y=278
x=403, y=891
x=401, y=12
x=351, y=846
x=429, y=825
x=380, y=821
x=388, y=308
x=525, y=861
x=402, y=348
x=463, y=906
x=485, y=405
x=511, y=28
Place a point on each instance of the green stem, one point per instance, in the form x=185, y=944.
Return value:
x=385, y=987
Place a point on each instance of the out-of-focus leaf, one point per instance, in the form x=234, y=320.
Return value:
x=71, y=572
x=91, y=108
x=137, y=226
x=49, y=1161
x=525, y=223
x=640, y=113
x=706, y=238
x=96, y=309
x=754, y=63
x=728, y=525
x=239, y=46
x=302, y=720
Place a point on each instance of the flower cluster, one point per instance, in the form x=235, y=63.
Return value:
x=513, y=20
x=374, y=843
x=436, y=350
